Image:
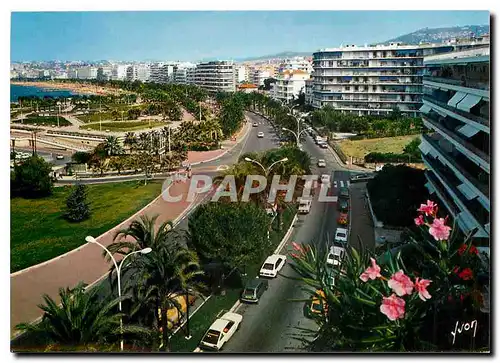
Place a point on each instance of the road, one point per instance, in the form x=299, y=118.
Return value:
x=48, y=155
x=269, y=326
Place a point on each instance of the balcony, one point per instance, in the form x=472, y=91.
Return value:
x=459, y=169
x=450, y=182
x=482, y=85
x=455, y=111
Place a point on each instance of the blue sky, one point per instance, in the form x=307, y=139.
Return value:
x=192, y=36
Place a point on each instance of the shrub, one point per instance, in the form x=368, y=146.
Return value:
x=32, y=178
x=77, y=208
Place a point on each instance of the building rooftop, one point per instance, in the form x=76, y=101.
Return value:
x=474, y=55
x=247, y=86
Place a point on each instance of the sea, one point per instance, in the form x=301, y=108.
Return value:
x=17, y=91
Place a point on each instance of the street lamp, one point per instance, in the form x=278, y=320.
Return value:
x=144, y=251
x=266, y=171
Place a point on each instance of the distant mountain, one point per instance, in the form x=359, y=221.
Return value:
x=438, y=35
x=276, y=56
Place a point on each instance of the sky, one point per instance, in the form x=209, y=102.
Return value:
x=194, y=36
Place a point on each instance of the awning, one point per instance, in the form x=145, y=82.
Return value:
x=424, y=148
x=430, y=188
x=468, y=102
x=467, y=191
x=425, y=109
x=468, y=131
x=459, y=96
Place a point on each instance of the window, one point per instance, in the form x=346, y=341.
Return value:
x=278, y=263
x=268, y=266
x=212, y=337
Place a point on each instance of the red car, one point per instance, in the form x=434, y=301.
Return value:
x=343, y=219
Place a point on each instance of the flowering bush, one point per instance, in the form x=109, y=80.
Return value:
x=406, y=299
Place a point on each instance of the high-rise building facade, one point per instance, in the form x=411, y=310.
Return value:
x=456, y=148
x=374, y=79
x=216, y=76
x=119, y=72
x=289, y=84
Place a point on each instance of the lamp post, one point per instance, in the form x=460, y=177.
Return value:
x=144, y=251
x=268, y=170
x=188, y=336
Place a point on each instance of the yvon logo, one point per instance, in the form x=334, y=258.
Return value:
x=466, y=327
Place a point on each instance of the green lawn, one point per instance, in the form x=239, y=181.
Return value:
x=204, y=317
x=124, y=126
x=97, y=116
x=44, y=120
x=39, y=233
x=360, y=148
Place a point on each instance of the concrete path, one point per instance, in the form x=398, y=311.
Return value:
x=85, y=263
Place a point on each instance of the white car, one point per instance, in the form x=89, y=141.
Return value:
x=255, y=124
x=341, y=235
x=59, y=157
x=335, y=256
x=321, y=163
x=323, y=145
x=221, y=331
x=325, y=179
x=272, y=266
x=260, y=134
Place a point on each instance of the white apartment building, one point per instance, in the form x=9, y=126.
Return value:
x=180, y=72
x=242, y=74
x=259, y=75
x=309, y=91
x=297, y=63
x=216, y=76
x=119, y=72
x=87, y=72
x=162, y=72
x=289, y=84
x=191, y=75
x=104, y=73
x=143, y=72
x=373, y=79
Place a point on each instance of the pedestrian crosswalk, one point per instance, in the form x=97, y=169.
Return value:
x=341, y=183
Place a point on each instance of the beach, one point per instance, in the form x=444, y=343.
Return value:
x=77, y=88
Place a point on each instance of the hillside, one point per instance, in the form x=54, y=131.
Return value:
x=438, y=35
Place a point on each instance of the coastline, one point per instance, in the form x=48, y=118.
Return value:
x=79, y=88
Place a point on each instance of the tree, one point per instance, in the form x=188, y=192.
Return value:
x=130, y=140
x=231, y=234
x=412, y=148
x=115, y=115
x=119, y=162
x=32, y=178
x=77, y=208
x=112, y=146
x=133, y=113
x=83, y=319
x=81, y=157
x=396, y=192
x=268, y=83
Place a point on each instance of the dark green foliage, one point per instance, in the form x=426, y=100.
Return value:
x=81, y=157
x=32, y=178
x=77, y=207
x=133, y=113
x=234, y=234
x=396, y=193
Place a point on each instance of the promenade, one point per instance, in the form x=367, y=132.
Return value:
x=86, y=262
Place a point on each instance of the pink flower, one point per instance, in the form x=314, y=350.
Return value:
x=419, y=220
x=294, y=255
x=393, y=307
x=400, y=283
x=439, y=230
x=371, y=272
x=296, y=247
x=421, y=287
x=429, y=209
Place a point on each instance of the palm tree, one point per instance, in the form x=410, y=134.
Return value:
x=130, y=140
x=144, y=233
x=169, y=270
x=112, y=146
x=82, y=320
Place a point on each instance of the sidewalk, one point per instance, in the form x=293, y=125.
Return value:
x=85, y=263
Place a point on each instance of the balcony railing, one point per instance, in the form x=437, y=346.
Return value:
x=452, y=135
x=484, y=85
x=451, y=160
x=467, y=115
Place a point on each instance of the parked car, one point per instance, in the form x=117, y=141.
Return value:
x=272, y=265
x=254, y=290
x=323, y=145
x=341, y=235
x=174, y=315
x=221, y=331
x=335, y=256
x=343, y=219
x=304, y=205
x=321, y=163
x=59, y=157
x=255, y=124
x=260, y=134
x=362, y=177
x=318, y=304
x=325, y=179
x=343, y=193
x=343, y=205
